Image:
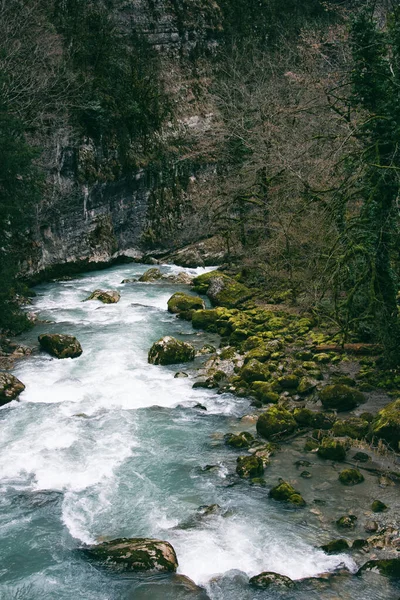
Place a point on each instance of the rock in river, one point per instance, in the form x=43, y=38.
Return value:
x=170, y=351
x=184, y=304
x=340, y=397
x=10, y=388
x=267, y=579
x=134, y=554
x=60, y=345
x=105, y=296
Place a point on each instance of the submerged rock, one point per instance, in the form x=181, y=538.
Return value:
x=267, y=579
x=105, y=296
x=335, y=546
x=60, y=345
x=378, y=506
x=386, y=424
x=170, y=351
x=340, y=397
x=284, y=492
x=184, y=304
x=151, y=275
x=10, y=388
x=276, y=420
x=134, y=554
x=389, y=567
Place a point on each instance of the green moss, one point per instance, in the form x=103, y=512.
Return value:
x=386, y=425
x=304, y=417
x=228, y=353
x=351, y=477
x=275, y=421
x=388, y=567
x=288, y=382
x=184, y=303
x=254, y=370
x=211, y=320
x=249, y=467
x=240, y=440
x=152, y=274
x=221, y=289
x=355, y=428
x=306, y=386
x=310, y=445
x=260, y=353
x=170, y=351
x=322, y=358
x=284, y=492
x=332, y=450
x=340, y=397
x=347, y=522
x=264, y=392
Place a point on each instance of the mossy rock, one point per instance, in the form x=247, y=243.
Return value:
x=135, y=554
x=335, y=546
x=284, y=492
x=264, y=392
x=268, y=579
x=378, y=506
x=239, y=440
x=386, y=425
x=10, y=388
x=347, y=522
x=304, y=417
x=221, y=289
x=288, y=382
x=252, y=342
x=324, y=420
x=275, y=421
x=249, y=467
x=306, y=386
x=355, y=428
x=60, y=345
x=152, y=274
x=389, y=567
x=332, y=450
x=254, y=370
x=351, y=477
x=340, y=397
x=170, y=351
x=104, y=296
x=212, y=320
x=361, y=457
x=322, y=358
x=184, y=304
x=228, y=353
x=310, y=445
x=309, y=365
x=261, y=353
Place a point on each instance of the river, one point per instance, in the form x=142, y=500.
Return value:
x=107, y=446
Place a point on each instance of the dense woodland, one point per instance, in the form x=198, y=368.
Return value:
x=305, y=139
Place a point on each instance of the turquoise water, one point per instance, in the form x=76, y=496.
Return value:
x=106, y=446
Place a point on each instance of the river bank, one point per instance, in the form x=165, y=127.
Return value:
x=107, y=446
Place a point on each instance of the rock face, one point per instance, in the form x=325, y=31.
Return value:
x=170, y=351
x=136, y=554
x=386, y=425
x=60, y=345
x=267, y=579
x=10, y=388
x=340, y=397
x=184, y=304
x=105, y=296
x=221, y=289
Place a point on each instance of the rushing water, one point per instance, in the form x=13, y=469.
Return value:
x=106, y=446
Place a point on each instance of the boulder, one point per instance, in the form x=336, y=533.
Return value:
x=388, y=567
x=355, y=428
x=340, y=397
x=105, y=296
x=221, y=289
x=170, y=351
x=60, y=345
x=347, y=522
x=284, y=492
x=386, y=424
x=267, y=579
x=378, y=506
x=331, y=449
x=181, y=278
x=249, y=467
x=351, y=477
x=254, y=370
x=184, y=304
x=275, y=421
x=264, y=392
x=10, y=388
x=335, y=546
x=134, y=554
x=214, y=320
x=288, y=382
x=240, y=440
x=152, y=274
